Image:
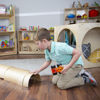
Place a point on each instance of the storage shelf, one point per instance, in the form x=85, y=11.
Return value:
x=51, y=30
x=11, y=34
x=70, y=19
x=97, y=17
x=93, y=7
x=26, y=40
x=8, y=53
x=27, y=46
x=26, y=52
x=6, y=33
x=5, y=16
x=27, y=31
x=75, y=12
x=70, y=9
x=82, y=18
x=7, y=48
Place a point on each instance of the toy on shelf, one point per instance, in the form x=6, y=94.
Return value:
x=33, y=28
x=84, y=16
x=71, y=16
x=25, y=48
x=11, y=27
x=3, y=28
x=79, y=4
x=78, y=16
x=51, y=28
x=86, y=5
x=26, y=36
x=2, y=9
x=73, y=5
x=3, y=43
x=57, y=69
x=93, y=13
x=52, y=37
x=23, y=29
x=6, y=43
x=11, y=43
x=96, y=4
x=11, y=9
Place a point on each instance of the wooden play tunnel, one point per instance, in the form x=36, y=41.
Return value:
x=19, y=76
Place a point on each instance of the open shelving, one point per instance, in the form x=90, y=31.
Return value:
x=8, y=49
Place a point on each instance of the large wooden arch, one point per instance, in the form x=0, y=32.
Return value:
x=80, y=30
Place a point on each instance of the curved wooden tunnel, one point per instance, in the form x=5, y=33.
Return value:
x=16, y=75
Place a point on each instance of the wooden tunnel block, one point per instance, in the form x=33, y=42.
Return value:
x=83, y=33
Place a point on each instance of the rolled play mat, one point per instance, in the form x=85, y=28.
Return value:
x=17, y=75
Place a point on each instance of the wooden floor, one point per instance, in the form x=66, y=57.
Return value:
x=47, y=91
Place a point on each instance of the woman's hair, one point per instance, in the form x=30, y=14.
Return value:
x=43, y=33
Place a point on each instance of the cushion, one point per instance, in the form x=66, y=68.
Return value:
x=86, y=48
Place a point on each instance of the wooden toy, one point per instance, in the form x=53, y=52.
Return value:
x=19, y=76
x=57, y=69
x=83, y=33
x=53, y=69
x=79, y=4
x=25, y=48
x=84, y=16
x=86, y=5
x=73, y=5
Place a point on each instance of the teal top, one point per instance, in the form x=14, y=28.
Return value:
x=61, y=53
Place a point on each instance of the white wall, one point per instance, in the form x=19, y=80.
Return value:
x=45, y=13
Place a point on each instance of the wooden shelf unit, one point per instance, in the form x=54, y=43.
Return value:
x=11, y=34
x=75, y=12
x=27, y=46
x=5, y=16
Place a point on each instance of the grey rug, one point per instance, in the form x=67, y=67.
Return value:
x=28, y=64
